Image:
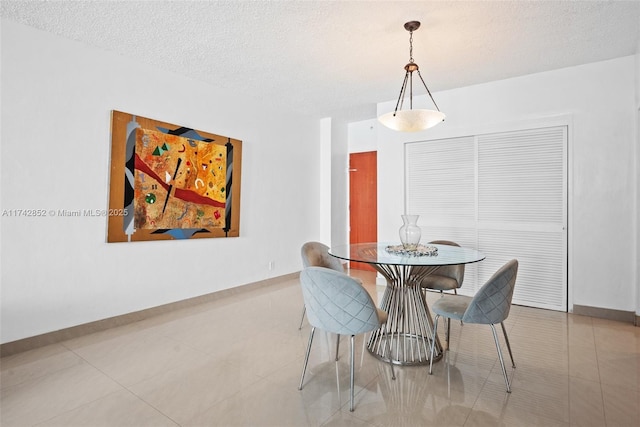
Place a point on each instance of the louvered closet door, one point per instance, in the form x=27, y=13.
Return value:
x=440, y=187
x=503, y=193
x=522, y=211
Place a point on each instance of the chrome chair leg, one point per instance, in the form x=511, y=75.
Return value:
x=393, y=374
x=306, y=357
x=351, y=378
x=504, y=371
x=304, y=310
x=433, y=342
x=506, y=338
x=337, y=346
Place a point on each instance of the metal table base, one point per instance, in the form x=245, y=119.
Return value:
x=409, y=325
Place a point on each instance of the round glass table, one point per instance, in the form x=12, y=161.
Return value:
x=409, y=325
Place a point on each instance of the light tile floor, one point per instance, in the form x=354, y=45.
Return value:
x=237, y=362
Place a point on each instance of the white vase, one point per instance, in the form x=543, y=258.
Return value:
x=410, y=232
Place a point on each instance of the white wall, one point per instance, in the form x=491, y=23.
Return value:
x=59, y=272
x=339, y=183
x=363, y=136
x=637, y=230
x=598, y=98
x=324, y=192
x=637, y=208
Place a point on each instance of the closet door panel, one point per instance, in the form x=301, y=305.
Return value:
x=504, y=194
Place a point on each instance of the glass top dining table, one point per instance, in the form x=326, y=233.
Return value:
x=409, y=325
x=377, y=253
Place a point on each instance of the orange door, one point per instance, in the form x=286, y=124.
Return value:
x=363, y=200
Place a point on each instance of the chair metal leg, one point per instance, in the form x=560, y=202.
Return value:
x=504, y=371
x=506, y=338
x=337, y=346
x=433, y=342
x=306, y=357
x=304, y=310
x=351, y=379
x=393, y=374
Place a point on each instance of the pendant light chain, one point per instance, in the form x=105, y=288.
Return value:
x=411, y=46
x=410, y=70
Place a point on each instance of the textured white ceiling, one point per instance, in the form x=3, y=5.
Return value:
x=338, y=58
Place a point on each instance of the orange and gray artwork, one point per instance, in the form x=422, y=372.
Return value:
x=177, y=182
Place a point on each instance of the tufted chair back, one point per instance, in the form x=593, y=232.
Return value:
x=316, y=254
x=492, y=302
x=337, y=303
x=447, y=277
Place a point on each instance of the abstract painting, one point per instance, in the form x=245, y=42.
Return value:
x=171, y=182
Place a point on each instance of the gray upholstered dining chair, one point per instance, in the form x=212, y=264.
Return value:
x=337, y=303
x=445, y=278
x=316, y=254
x=489, y=306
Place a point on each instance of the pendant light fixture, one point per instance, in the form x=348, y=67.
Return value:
x=411, y=120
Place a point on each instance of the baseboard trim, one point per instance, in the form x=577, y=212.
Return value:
x=607, y=313
x=19, y=346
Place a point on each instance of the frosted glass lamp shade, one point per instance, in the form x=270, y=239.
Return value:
x=411, y=120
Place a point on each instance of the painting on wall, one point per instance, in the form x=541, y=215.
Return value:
x=170, y=182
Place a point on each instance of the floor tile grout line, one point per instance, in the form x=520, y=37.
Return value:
x=141, y=398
